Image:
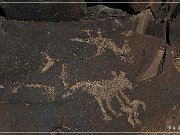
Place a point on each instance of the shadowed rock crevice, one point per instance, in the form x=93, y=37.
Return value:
x=2, y=12
x=126, y=7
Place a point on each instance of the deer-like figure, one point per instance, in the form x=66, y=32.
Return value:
x=105, y=90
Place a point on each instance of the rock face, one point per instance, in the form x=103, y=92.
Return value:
x=174, y=30
x=162, y=11
x=50, y=12
x=66, y=68
x=108, y=72
x=174, y=38
x=143, y=23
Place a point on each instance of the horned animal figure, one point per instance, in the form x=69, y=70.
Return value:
x=105, y=90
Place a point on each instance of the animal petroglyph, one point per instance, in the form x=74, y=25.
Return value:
x=103, y=43
x=50, y=91
x=50, y=62
x=16, y=87
x=64, y=75
x=105, y=90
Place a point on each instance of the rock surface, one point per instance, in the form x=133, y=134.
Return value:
x=108, y=72
x=74, y=76
x=143, y=23
x=50, y=12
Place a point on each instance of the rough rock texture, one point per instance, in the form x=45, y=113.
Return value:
x=143, y=23
x=108, y=72
x=174, y=37
x=138, y=7
x=175, y=30
x=162, y=11
x=74, y=77
x=56, y=12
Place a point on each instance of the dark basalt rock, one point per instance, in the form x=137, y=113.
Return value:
x=104, y=70
x=39, y=12
x=143, y=23
x=174, y=30
x=162, y=11
x=85, y=76
x=174, y=37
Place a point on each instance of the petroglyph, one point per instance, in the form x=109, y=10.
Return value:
x=105, y=90
x=128, y=33
x=125, y=47
x=177, y=64
x=126, y=51
x=50, y=62
x=64, y=75
x=50, y=91
x=103, y=43
x=1, y=87
x=16, y=87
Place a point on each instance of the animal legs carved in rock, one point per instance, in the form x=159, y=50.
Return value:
x=109, y=106
x=105, y=115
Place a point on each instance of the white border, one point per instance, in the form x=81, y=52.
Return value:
x=47, y=2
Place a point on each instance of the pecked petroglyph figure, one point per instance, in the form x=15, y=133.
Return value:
x=49, y=90
x=105, y=90
x=50, y=62
x=64, y=76
x=103, y=43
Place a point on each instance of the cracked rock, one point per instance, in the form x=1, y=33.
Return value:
x=143, y=23
x=162, y=11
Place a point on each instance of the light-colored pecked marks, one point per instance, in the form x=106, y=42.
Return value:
x=49, y=90
x=105, y=90
x=15, y=89
x=64, y=75
x=125, y=47
x=103, y=43
x=50, y=62
x=127, y=34
x=1, y=87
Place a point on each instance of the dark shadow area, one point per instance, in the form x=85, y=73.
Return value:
x=2, y=12
x=126, y=7
x=123, y=6
x=167, y=33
